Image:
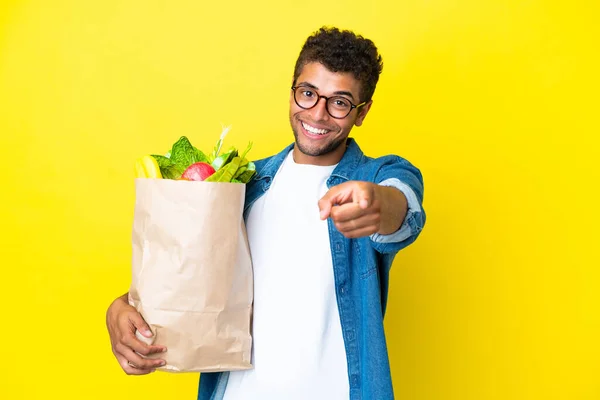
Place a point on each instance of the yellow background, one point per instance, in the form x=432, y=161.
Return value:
x=496, y=102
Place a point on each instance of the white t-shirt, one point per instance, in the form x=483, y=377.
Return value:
x=298, y=348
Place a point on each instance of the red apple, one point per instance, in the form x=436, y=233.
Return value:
x=198, y=172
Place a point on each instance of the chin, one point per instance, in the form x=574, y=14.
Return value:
x=316, y=151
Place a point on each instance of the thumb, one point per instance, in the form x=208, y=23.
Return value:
x=138, y=322
x=331, y=198
x=363, y=198
x=325, y=207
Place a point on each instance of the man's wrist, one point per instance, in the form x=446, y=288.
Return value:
x=394, y=207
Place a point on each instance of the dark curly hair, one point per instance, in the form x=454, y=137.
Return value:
x=343, y=51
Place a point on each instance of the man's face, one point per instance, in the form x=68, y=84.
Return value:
x=320, y=138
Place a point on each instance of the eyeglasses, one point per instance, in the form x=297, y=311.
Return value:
x=337, y=106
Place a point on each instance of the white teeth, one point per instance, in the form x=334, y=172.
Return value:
x=314, y=130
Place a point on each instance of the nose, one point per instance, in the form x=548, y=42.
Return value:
x=319, y=111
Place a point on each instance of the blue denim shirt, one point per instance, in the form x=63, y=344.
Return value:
x=361, y=270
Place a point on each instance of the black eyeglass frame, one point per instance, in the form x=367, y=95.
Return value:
x=319, y=97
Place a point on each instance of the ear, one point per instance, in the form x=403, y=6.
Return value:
x=362, y=113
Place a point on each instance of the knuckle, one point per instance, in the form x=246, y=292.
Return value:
x=144, y=350
x=139, y=365
x=149, y=365
x=119, y=347
x=116, y=351
x=123, y=343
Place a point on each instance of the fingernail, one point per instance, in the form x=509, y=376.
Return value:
x=163, y=363
x=164, y=350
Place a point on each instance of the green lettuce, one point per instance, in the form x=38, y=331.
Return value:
x=182, y=155
x=168, y=168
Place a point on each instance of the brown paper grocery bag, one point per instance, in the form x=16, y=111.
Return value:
x=192, y=273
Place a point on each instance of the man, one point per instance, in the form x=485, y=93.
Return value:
x=324, y=223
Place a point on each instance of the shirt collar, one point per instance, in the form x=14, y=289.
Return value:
x=349, y=162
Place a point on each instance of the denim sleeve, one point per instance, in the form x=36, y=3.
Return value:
x=402, y=175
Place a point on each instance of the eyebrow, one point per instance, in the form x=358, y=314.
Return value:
x=338, y=93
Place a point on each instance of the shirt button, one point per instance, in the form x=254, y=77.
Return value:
x=342, y=289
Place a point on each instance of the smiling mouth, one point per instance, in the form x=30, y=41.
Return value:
x=314, y=131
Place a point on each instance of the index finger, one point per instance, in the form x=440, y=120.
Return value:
x=131, y=341
x=339, y=194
